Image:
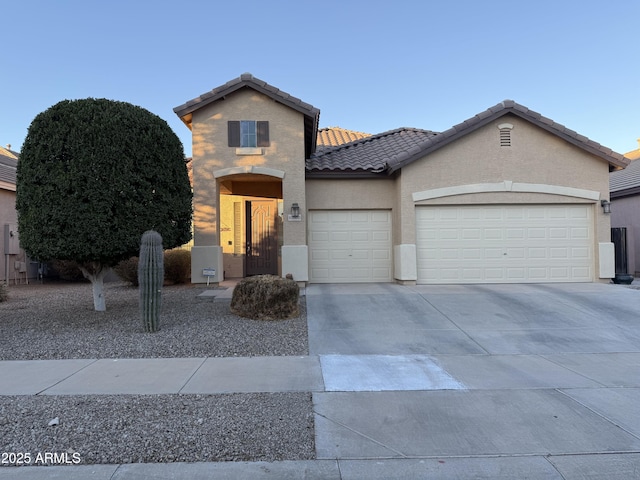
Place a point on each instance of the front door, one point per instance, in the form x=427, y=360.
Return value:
x=262, y=242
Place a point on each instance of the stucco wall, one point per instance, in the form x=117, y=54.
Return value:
x=534, y=157
x=8, y=215
x=365, y=194
x=211, y=153
x=330, y=194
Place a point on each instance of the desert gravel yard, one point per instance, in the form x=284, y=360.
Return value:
x=57, y=321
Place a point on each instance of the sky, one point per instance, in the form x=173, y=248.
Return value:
x=368, y=65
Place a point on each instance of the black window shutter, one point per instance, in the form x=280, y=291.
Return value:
x=263, y=134
x=234, y=133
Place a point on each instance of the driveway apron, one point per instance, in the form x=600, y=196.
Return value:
x=530, y=375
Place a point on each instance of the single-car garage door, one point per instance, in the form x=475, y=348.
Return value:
x=350, y=246
x=504, y=243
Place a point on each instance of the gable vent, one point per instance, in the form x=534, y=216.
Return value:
x=505, y=134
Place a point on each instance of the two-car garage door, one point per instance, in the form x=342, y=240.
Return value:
x=504, y=243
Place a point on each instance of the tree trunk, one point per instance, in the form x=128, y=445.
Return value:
x=96, y=277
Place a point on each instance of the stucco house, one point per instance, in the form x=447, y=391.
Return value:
x=507, y=196
x=625, y=204
x=9, y=218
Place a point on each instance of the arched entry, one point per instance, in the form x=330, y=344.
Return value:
x=250, y=222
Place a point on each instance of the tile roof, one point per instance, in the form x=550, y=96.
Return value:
x=247, y=80
x=403, y=146
x=369, y=154
x=8, y=165
x=634, y=154
x=622, y=181
x=510, y=107
x=334, y=136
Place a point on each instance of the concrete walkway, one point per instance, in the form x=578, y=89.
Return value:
x=504, y=381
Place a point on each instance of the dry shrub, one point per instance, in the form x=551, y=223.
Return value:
x=177, y=266
x=266, y=297
x=67, y=270
x=127, y=270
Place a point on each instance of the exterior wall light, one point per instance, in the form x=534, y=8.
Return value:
x=606, y=206
x=295, y=210
x=295, y=216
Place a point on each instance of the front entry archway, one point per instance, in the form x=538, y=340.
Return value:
x=251, y=226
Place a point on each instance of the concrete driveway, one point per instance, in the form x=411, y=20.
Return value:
x=502, y=381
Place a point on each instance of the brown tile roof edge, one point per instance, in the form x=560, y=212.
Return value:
x=369, y=155
x=510, y=107
x=246, y=80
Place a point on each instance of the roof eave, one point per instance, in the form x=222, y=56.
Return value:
x=625, y=192
x=468, y=126
x=247, y=81
x=342, y=174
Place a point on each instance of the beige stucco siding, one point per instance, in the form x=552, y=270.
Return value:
x=8, y=215
x=211, y=153
x=535, y=157
x=340, y=194
x=353, y=194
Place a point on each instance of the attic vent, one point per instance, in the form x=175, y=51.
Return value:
x=505, y=134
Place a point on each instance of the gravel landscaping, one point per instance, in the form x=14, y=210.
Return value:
x=56, y=321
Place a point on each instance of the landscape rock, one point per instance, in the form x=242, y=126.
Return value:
x=266, y=297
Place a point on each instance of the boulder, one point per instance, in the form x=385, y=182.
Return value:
x=266, y=297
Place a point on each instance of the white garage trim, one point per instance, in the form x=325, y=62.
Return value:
x=349, y=246
x=505, y=243
x=506, y=186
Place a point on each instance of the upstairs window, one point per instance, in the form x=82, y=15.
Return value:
x=248, y=133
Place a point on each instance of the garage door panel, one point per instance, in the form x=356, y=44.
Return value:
x=321, y=236
x=382, y=255
x=537, y=233
x=504, y=243
x=360, y=255
x=358, y=243
x=381, y=236
x=339, y=236
x=320, y=255
x=493, y=234
x=337, y=254
x=579, y=232
x=580, y=252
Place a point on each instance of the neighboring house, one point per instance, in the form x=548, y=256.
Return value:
x=625, y=205
x=507, y=196
x=17, y=263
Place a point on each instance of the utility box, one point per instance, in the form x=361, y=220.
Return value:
x=11, y=242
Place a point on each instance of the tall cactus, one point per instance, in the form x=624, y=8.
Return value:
x=151, y=277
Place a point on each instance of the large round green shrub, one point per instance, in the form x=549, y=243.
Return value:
x=93, y=176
